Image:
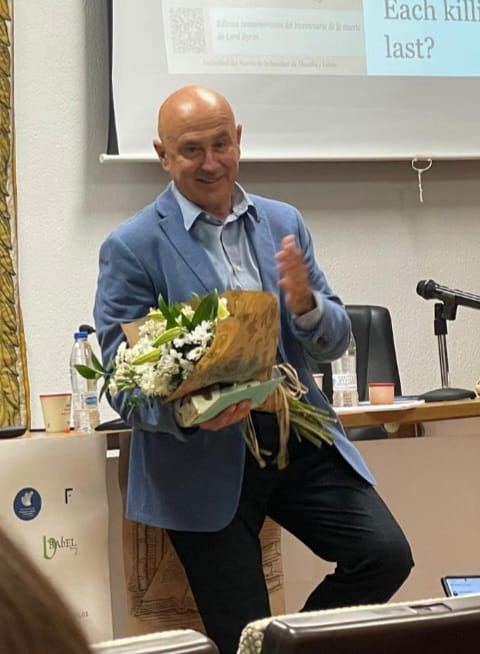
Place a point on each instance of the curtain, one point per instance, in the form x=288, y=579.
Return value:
x=14, y=390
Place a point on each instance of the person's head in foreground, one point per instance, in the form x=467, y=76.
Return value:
x=33, y=617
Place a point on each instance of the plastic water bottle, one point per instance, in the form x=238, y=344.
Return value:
x=85, y=415
x=344, y=377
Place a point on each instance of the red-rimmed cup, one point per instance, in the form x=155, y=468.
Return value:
x=381, y=392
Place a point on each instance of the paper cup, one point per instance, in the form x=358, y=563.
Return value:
x=56, y=411
x=381, y=393
x=318, y=377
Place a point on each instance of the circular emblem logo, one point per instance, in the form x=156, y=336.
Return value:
x=27, y=504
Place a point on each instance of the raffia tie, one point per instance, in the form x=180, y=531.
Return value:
x=278, y=403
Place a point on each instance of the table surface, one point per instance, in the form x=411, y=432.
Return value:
x=365, y=415
x=42, y=434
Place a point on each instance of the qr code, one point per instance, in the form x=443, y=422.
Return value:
x=188, y=31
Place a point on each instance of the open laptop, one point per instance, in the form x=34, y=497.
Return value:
x=455, y=585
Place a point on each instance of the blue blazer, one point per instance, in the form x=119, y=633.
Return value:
x=190, y=479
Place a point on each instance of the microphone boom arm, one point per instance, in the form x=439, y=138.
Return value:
x=445, y=309
x=452, y=297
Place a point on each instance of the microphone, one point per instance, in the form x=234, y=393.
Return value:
x=87, y=328
x=430, y=290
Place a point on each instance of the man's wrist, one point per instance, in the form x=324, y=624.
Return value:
x=310, y=320
x=305, y=306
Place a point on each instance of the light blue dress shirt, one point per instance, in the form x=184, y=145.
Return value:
x=229, y=249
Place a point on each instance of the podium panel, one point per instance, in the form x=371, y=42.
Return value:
x=53, y=505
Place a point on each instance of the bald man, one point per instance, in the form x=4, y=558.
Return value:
x=204, y=231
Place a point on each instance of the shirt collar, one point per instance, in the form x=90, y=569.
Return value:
x=242, y=204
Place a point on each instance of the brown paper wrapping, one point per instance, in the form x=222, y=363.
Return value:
x=243, y=349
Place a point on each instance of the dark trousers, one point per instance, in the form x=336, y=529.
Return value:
x=322, y=501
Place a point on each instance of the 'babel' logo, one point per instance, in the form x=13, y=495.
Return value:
x=27, y=504
x=52, y=545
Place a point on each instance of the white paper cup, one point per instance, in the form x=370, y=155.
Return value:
x=318, y=377
x=56, y=411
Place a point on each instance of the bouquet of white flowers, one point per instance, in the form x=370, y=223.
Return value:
x=207, y=354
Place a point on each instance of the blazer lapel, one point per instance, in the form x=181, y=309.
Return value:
x=192, y=253
x=197, y=260
x=263, y=244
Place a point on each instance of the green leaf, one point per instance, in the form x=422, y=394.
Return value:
x=87, y=372
x=97, y=364
x=207, y=309
x=168, y=312
x=186, y=322
x=104, y=388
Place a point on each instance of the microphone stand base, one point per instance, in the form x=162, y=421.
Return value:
x=447, y=395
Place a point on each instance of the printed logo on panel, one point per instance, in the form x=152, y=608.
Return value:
x=27, y=504
x=53, y=545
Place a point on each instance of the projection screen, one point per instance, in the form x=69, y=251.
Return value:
x=308, y=80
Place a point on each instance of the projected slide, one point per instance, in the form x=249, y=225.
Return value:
x=323, y=37
x=308, y=79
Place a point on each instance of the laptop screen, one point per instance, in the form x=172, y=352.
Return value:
x=454, y=585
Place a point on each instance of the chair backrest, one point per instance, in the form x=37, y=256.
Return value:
x=376, y=355
x=431, y=627
x=376, y=358
x=179, y=641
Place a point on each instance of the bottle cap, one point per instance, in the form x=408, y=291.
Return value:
x=78, y=335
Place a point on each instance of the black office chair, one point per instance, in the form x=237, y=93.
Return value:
x=376, y=359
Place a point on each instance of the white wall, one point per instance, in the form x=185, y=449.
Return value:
x=373, y=237
x=437, y=508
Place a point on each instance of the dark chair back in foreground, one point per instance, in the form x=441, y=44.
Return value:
x=432, y=627
x=181, y=641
